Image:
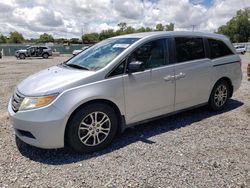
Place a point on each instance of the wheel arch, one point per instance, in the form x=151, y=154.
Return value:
x=228, y=80
x=121, y=119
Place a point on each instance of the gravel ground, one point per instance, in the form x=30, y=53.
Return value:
x=196, y=148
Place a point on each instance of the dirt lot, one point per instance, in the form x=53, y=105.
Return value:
x=196, y=148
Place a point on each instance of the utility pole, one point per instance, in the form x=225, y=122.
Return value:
x=193, y=26
x=82, y=35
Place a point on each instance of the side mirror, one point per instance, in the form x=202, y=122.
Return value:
x=136, y=66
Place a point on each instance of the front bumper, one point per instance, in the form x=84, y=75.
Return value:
x=42, y=127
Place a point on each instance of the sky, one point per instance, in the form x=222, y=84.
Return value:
x=71, y=18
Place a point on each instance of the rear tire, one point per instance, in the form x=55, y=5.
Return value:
x=219, y=96
x=91, y=128
x=45, y=56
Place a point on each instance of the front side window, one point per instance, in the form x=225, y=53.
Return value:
x=152, y=54
x=189, y=48
x=218, y=48
x=101, y=54
x=31, y=49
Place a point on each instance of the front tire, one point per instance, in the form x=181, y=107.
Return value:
x=91, y=128
x=219, y=96
x=22, y=56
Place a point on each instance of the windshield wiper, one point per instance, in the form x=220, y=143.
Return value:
x=76, y=66
x=62, y=64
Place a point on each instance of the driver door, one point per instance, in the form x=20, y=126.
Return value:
x=149, y=93
x=32, y=51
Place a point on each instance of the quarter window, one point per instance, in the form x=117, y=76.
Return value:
x=118, y=70
x=218, y=48
x=189, y=48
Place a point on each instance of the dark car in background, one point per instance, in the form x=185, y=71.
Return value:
x=34, y=51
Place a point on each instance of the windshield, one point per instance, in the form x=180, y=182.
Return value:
x=101, y=54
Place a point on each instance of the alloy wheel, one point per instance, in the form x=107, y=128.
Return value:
x=220, y=96
x=94, y=128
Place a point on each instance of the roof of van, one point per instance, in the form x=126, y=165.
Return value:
x=172, y=33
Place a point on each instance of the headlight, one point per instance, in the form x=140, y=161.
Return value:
x=36, y=102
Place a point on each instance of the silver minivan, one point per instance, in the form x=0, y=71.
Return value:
x=122, y=81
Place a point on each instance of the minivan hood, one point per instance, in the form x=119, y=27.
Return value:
x=52, y=80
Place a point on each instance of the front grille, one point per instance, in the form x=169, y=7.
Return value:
x=17, y=99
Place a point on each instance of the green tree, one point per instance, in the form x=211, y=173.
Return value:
x=106, y=34
x=169, y=27
x=141, y=29
x=122, y=26
x=3, y=39
x=46, y=38
x=148, y=29
x=90, y=38
x=238, y=28
x=60, y=40
x=129, y=30
x=16, y=37
x=74, y=41
x=159, y=27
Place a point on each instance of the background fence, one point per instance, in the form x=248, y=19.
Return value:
x=9, y=49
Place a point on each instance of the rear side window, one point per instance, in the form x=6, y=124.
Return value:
x=218, y=48
x=189, y=48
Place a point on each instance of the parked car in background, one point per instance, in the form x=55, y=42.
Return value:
x=0, y=55
x=34, y=51
x=120, y=82
x=240, y=49
x=75, y=52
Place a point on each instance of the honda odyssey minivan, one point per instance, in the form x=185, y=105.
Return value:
x=122, y=81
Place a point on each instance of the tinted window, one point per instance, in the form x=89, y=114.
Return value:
x=118, y=70
x=152, y=54
x=188, y=48
x=218, y=48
